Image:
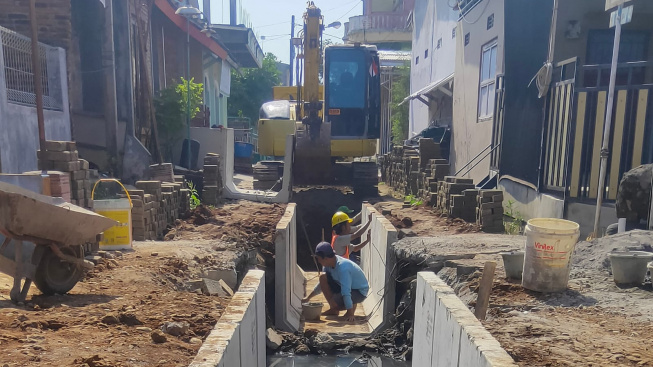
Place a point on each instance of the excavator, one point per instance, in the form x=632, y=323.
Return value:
x=335, y=136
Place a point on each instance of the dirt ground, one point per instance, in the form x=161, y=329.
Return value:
x=593, y=323
x=108, y=318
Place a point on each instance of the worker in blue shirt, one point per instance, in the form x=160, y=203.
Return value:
x=343, y=283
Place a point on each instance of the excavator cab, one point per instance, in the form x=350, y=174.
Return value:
x=352, y=88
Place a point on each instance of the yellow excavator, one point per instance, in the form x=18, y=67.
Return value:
x=337, y=135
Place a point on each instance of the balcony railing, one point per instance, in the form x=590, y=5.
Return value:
x=385, y=22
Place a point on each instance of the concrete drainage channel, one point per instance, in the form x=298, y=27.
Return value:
x=445, y=331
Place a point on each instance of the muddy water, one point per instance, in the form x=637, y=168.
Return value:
x=350, y=360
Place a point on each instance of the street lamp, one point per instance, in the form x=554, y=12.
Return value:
x=335, y=25
x=188, y=12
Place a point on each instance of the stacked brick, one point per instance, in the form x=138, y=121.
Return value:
x=489, y=212
x=59, y=183
x=464, y=205
x=162, y=172
x=212, y=191
x=153, y=211
x=267, y=175
x=140, y=225
x=62, y=156
x=434, y=172
x=450, y=187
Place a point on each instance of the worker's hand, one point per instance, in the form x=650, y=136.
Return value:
x=305, y=300
x=349, y=316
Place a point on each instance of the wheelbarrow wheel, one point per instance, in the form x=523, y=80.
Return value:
x=54, y=275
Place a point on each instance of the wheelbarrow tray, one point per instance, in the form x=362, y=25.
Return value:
x=26, y=213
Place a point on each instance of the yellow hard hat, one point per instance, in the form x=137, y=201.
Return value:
x=338, y=218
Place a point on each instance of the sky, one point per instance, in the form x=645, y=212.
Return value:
x=271, y=20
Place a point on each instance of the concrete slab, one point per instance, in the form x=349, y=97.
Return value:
x=447, y=333
x=288, y=278
x=238, y=339
x=337, y=327
x=379, y=265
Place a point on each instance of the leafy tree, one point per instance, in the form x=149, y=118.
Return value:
x=253, y=88
x=171, y=105
x=399, y=118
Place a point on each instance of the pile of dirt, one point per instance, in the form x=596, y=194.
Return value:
x=594, y=255
x=247, y=224
x=422, y=221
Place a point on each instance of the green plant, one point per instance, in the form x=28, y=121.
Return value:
x=399, y=118
x=514, y=224
x=171, y=106
x=194, y=197
x=414, y=201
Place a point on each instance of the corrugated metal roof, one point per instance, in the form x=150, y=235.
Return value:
x=394, y=58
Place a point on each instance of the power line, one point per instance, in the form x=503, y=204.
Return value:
x=348, y=11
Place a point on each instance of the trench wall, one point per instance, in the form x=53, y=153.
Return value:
x=238, y=339
x=379, y=265
x=288, y=277
x=447, y=333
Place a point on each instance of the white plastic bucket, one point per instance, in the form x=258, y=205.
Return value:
x=549, y=245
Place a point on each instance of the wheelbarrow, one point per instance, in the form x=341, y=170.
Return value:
x=41, y=240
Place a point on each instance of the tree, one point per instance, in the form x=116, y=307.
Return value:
x=399, y=118
x=253, y=88
x=171, y=104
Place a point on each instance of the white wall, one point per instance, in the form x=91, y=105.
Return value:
x=432, y=20
x=447, y=333
x=288, y=278
x=471, y=135
x=19, y=133
x=238, y=338
x=378, y=264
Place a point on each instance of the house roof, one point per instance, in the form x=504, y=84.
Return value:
x=430, y=88
x=194, y=31
x=394, y=58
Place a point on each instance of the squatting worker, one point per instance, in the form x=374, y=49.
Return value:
x=342, y=234
x=343, y=283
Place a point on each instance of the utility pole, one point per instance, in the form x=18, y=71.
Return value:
x=292, y=47
x=608, y=121
x=36, y=68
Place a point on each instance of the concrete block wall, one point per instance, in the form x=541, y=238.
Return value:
x=447, y=333
x=378, y=264
x=288, y=278
x=238, y=339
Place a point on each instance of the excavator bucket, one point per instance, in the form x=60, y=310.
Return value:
x=312, y=163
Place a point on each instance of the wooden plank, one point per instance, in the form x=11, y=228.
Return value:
x=484, y=290
x=596, y=148
x=617, y=144
x=640, y=125
x=578, y=144
x=551, y=145
x=566, y=120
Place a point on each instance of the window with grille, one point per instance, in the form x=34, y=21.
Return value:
x=487, y=80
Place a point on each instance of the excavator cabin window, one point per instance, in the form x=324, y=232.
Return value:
x=352, y=92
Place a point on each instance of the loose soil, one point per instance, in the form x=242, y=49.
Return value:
x=248, y=224
x=108, y=318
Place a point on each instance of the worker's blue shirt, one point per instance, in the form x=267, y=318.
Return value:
x=350, y=277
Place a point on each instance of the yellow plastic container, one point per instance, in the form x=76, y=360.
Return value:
x=118, y=237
